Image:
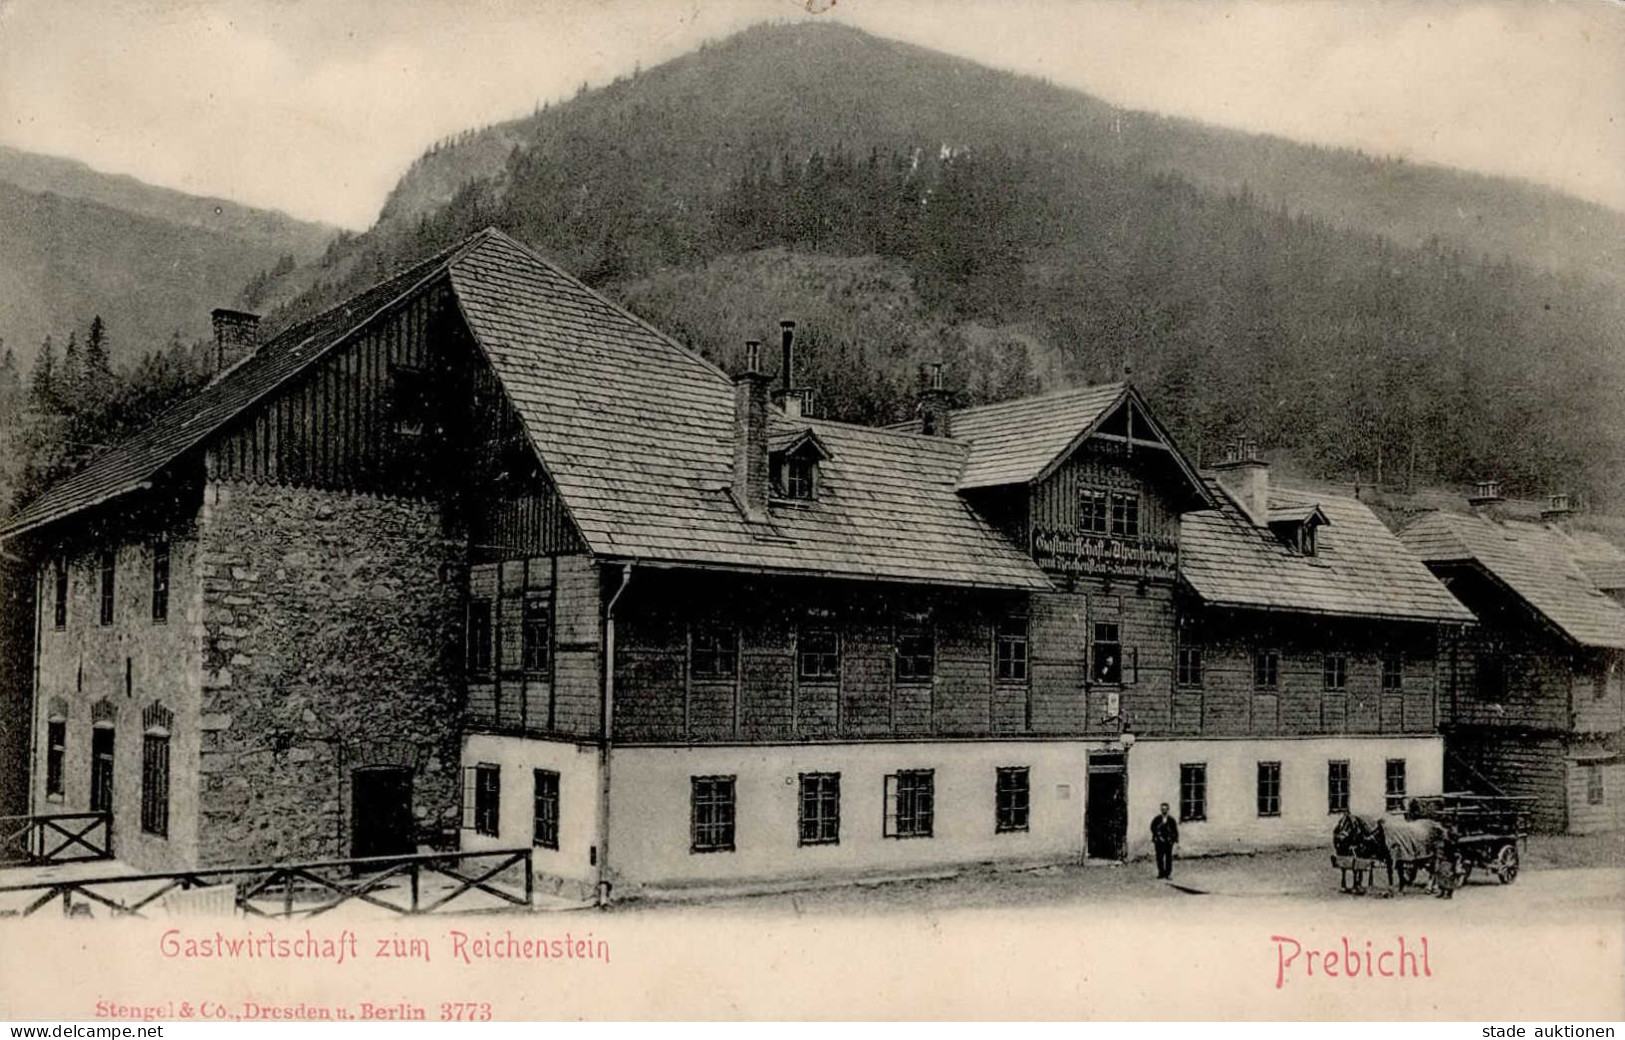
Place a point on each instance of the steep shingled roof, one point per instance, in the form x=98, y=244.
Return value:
x=635, y=431
x=1360, y=568
x=1536, y=561
x=133, y=462
x=1013, y=442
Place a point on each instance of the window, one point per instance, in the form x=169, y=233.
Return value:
x=1334, y=672
x=798, y=478
x=1492, y=677
x=714, y=653
x=820, y=808
x=109, y=566
x=545, y=815
x=479, y=636
x=155, y=783
x=56, y=755
x=535, y=633
x=101, y=769
x=1092, y=511
x=1596, y=793
x=1190, y=666
x=1010, y=650
x=712, y=814
x=819, y=659
x=1125, y=514
x=1012, y=798
x=1394, y=784
x=910, y=803
x=1393, y=670
x=1269, y=788
x=60, y=621
x=916, y=655
x=482, y=799
x=1266, y=669
x=160, y=580
x=1304, y=538
x=1108, y=653
x=1337, y=787
x=1192, y=791
x=413, y=401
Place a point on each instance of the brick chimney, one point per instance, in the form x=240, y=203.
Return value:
x=236, y=335
x=1486, y=498
x=750, y=435
x=936, y=412
x=1559, y=510
x=1247, y=477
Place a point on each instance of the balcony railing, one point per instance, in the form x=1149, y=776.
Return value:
x=56, y=838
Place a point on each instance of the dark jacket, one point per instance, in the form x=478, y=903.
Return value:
x=1164, y=831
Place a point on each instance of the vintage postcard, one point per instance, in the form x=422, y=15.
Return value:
x=864, y=509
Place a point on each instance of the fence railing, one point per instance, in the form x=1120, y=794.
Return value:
x=459, y=882
x=56, y=837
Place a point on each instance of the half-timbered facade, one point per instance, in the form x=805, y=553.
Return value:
x=479, y=556
x=1540, y=708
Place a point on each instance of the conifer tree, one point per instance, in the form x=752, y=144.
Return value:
x=42, y=390
x=70, y=381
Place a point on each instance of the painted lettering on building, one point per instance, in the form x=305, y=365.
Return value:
x=1068, y=552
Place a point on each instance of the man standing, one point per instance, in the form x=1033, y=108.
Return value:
x=1164, y=836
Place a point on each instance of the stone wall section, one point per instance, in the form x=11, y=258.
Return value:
x=331, y=641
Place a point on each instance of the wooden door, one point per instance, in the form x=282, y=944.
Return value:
x=1105, y=814
x=381, y=812
x=101, y=769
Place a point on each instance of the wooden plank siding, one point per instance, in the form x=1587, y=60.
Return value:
x=1102, y=464
x=658, y=700
x=514, y=509
x=1228, y=703
x=564, y=700
x=339, y=425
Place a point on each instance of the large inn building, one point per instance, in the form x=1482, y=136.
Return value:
x=480, y=557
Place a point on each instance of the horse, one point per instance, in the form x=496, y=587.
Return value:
x=1402, y=846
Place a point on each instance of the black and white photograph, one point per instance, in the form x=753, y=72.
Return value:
x=821, y=510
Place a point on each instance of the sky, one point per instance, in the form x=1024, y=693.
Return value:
x=316, y=107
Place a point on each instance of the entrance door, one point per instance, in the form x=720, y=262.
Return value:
x=381, y=812
x=1105, y=813
x=101, y=769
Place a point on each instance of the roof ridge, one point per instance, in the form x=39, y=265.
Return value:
x=908, y=435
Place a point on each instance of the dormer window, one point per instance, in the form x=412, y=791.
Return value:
x=794, y=465
x=798, y=478
x=1298, y=528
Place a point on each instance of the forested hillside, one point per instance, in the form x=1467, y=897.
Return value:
x=149, y=260
x=906, y=207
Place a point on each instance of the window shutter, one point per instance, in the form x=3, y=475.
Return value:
x=470, y=779
x=889, y=829
x=1134, y=664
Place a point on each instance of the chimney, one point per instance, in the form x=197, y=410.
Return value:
x=750, y=435
x=1558, y=511
x=236, y=335
x=1486, y=498
x=1247, y=477
x=796, y=403
x=787, y=330
x=935, y=413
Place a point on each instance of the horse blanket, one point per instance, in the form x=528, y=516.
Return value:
x=1412, y=840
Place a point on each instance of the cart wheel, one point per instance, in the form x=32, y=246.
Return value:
x=1506, y=864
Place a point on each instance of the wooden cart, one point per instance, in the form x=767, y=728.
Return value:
x=1489, y=831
